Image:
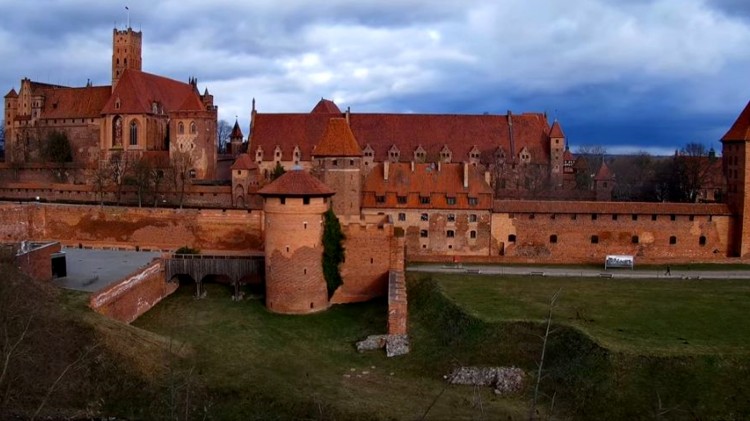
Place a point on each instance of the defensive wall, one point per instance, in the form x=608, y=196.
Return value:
x=153, y=229
x=585, y=232
x=194, y=195
x=133, y=295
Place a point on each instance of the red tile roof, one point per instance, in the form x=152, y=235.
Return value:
x=740, y=130
x=425, y=180
x=568, y=155
x=638, y=208
x=296, y=183
x=556, y=130
x=12, y=93
x=326, y=106
x=244, y=162
x=337, y=140
x=75, y=102
x=137, y=91
x=408, y=131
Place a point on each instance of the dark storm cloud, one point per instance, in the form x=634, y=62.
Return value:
x=628, y=74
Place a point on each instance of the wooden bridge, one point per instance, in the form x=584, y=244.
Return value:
x=198, y=266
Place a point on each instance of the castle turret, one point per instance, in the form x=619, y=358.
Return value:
x=294, y=205
x=338, y=158
x=556, y=154
x=736, y=161
x=126, y=52
x=604, y=183
x=235, y=139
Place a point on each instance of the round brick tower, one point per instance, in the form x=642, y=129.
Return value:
x=294, y=205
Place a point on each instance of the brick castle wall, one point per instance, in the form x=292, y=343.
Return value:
x=133, y=295
x=132, y=228
x=367, y=250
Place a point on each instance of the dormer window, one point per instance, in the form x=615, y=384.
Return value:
x=445, y=154
x=368, y=152
x=500, y=155
x=394, y=154
x=474, y=155
x=277, y=154
x=420, y=154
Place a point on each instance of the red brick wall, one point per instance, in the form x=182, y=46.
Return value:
x=397, y=304
x=294, y=253
x=367, y=261
x=133, y=295
x=37, y=263
x=143, y=228
x=534, y=231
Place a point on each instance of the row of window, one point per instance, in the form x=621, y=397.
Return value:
x=615, y=217
x=448, y=233
x=425, y=200
x=451, y=217
x=595, y=239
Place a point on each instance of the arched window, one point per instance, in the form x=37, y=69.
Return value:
x=193, y=129
x=180, y=128
x=133, y=133
x=117, y=131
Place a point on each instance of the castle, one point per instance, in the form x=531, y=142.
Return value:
x=442, y=187
x=140, y=115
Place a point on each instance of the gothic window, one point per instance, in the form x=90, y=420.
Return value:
x=193, y=129
x=117, y=131
x=180, y=128
x=133, y=133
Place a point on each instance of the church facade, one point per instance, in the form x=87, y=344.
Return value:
x=139, y=115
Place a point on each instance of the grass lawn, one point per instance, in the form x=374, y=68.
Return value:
x=649, y=317
x=260, y=365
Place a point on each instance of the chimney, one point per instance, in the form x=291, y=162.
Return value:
x=386, y=167
x=412, y=166
x=466, y=175
x=348, y=110
x=487, y=178
x=439, y=166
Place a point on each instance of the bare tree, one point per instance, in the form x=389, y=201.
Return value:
x=593, y=156
x=540, y=364
x=181, y=163
x=223, y=133
x=692, y=169
x=119, y=166
x=141, y=177
x=101, y=179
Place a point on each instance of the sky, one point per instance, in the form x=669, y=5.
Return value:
x=630, y=76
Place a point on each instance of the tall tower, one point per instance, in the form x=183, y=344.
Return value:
x=736, y=161
x=339, y=159
x=293, y=206
x=556, y=154
x=126, y=52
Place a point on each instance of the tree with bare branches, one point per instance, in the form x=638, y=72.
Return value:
x=119, y=166
x=181, y=163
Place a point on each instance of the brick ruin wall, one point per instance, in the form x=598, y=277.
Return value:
x=37, y=263
x=135, y=294
x=132, y=228
x=397, y=303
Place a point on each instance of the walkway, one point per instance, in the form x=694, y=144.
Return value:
x=579, y=272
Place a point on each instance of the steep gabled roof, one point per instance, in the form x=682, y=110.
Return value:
x=84, y=102
x=556, y=130
x=603, y=173
x=740, y=130
x=236, y=131
x=244, y=162
x=337, y=140
x=296, y=183
x=568, y=155
x=461, y=132
x=137, y=91
x=12, y=93
x=325, y=106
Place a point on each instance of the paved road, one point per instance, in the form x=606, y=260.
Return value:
x=579, y=272
x=92, y=270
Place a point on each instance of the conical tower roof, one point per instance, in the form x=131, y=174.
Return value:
x=296, y=183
